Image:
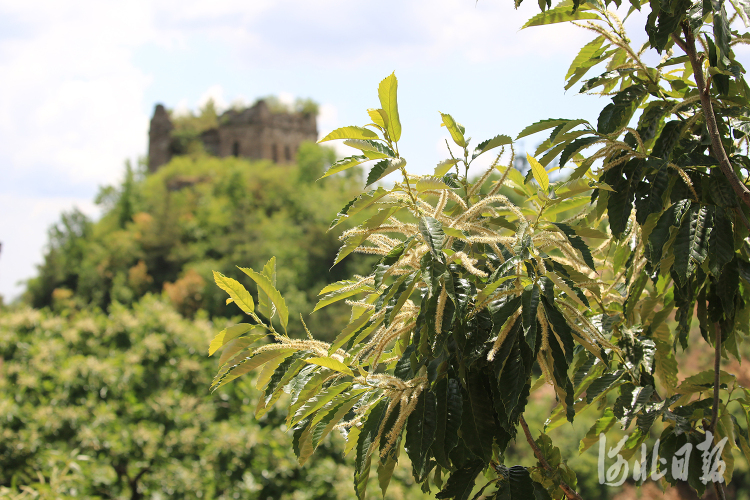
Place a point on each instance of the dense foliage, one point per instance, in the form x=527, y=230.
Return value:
x=166, y=231
x=115, y=405
x=477, y=301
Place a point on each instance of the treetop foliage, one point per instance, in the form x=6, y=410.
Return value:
x=478, y=301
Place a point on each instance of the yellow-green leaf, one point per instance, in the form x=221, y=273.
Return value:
x=227, y=335
x=540, y=175
x=350, y=132
x=265, y=284
x=332, y=363
x=565, y=288
x=430, y=184
x=350, y=330
x=378, y=117
x=265, y=306
x=234, y=346
x=444, y=166
x=387, y=91
x=584, y=55
x=344, y=164
x=236, y=291
x=251, y=364
x=454, y=129
x=316, y=403
x=559, y=14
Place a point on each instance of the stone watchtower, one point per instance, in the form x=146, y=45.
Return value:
x=159, y=139
x=255, y=132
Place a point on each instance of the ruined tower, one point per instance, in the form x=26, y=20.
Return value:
x=159, y=139
x=255, y=132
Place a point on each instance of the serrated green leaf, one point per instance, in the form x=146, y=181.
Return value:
x=617, y=115
x=578, y=244
x=385, y=472
x=565, y=205
x=444, y=166
x=559, y=15
x=453, y=128
x=332, y=363
x=379, y=117
x=316, y=403
x=239, y=344
x=284, y=373
x=498, y=140
x=344, y=164
x=236, y=291
x=604, y=424
x=432, y=232
x=431, y=184
x=575, y=147
x=461, y=482
x=658, y=238
x=268, y=288
x=335, y=297
x=387, y=93
x=721, y=242
x=530, y=301
x=540, y=175
x=521, y=485
x=347, y=333
x=249, y=364
x=478, y=422
x=226, y=335
x=541, y=125
x=602, y=384
x=448, y=416
x=350, y=132
x=691, y=244
x=365, y=447
x=333, y=417
x=265, y=305
x=383, y=168
x=420, y=431
x=584, y=55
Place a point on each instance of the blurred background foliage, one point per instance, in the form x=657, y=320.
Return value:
x=115, y=405
x=166, y=232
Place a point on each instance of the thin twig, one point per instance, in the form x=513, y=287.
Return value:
x=717, y=148
x=569, y=492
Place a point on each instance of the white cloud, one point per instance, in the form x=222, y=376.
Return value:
x=23, y=233
x=285, y=98
x=215, y=92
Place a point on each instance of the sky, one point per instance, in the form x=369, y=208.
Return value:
x=79, y=80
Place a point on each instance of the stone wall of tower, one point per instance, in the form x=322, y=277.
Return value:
x=255, y=133
x=159, y=139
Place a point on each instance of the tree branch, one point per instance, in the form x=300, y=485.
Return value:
x=717, y=148
x=717, y=402
x=569, y=492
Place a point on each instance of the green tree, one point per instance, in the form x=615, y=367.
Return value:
x=477, y=301
x=166, y=231
x=115, y=406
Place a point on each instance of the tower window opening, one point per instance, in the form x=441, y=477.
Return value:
x=236, y=149
x=275, y=153
x=287, y=153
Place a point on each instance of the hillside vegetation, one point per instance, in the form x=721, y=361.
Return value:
x=166, y=232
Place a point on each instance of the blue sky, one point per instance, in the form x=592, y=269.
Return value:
x=81, y=78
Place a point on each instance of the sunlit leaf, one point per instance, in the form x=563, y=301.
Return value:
x=236, y=291
x=350, y=132
x=333, y=364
